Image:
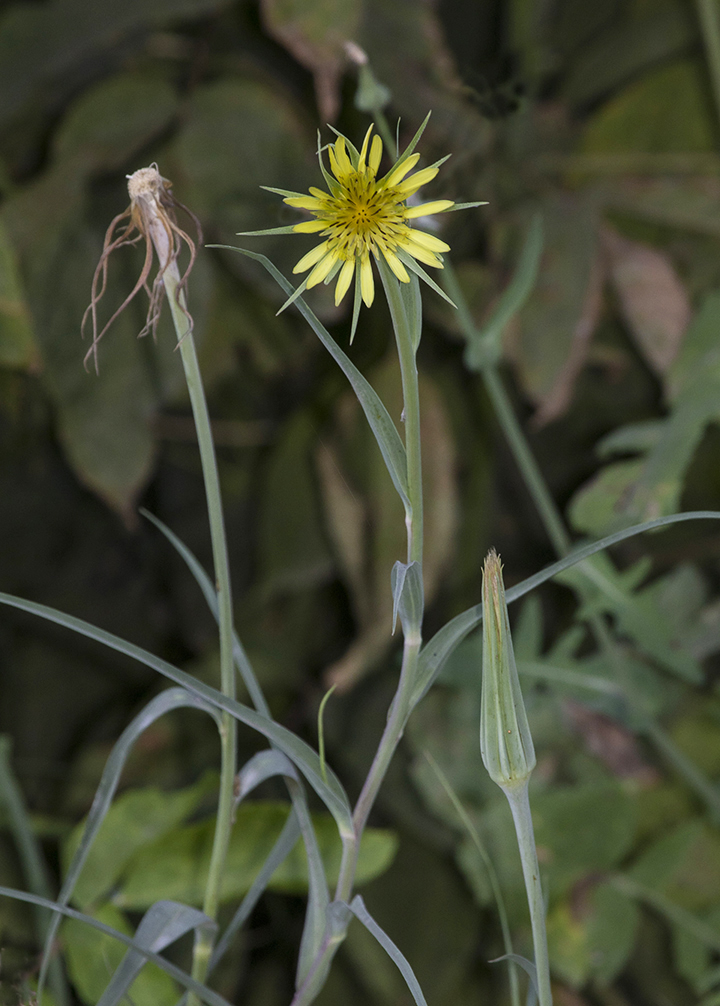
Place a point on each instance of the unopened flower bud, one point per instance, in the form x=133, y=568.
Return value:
x=505, y=740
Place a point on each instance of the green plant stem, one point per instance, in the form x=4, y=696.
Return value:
x=534, y=481
x=228, y=728
x=522, y=818
x=492, y=875
x=400, y=708
x=32, y=860
x=710, y=25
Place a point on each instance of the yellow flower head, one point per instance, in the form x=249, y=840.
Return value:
x=361, y=215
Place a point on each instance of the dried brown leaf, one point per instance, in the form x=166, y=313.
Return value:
x=652, y=297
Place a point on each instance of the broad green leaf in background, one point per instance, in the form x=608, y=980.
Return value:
x=93, y=957
x=163, y=924
x=175, y=866
x=424, y=79
x=40, y=45
x=384, y=430
x=560, y=315
x=365, y=518
x=108, y=123
x=594, y=939
x=17, y=343
x=121, y=939
x=315, y=31
x=653, y=299
x=238, y=135
x=684, y=865
x=582, y=829
x=293, y=552
x=669, y=109
x=135, y=819
x=643, y=35
x=694, y=393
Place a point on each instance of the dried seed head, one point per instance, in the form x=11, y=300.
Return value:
x=150, y=217
x=506, y=744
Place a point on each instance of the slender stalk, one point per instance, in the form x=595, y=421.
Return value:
x=492, y=875
x=414, y=523
x=228, y=728
x=522, y=818
x=534, y=481
x=407, y=354
x=32, y=860
x=710, y=25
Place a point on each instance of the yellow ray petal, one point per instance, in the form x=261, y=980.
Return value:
x=310, y=226
x=376, y=149
x=342, y=159
x=412, y=184
x=311, y=258
x=344, y=280
x=397, y=173
x=427, y=209
x=367, y=284
x=363, y=149
x=396, y=265
x=421, y=254
x=322, y=269
x=305, y=203
x=429, y=241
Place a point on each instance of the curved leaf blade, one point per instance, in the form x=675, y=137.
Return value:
x=162, y=924
x=384, y=430
x=357, y=907
x=206, y=994
x=435, y=653
x=206, y=586
x=172, y=698
x=330, y=790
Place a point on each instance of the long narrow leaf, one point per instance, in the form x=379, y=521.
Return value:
x=206, y=994
x=206, y=586
x=31, y=857
x=263, y=766
x=282, y=848
x=384, y=430
x=435, y=653
x=172, y=698
x=357, y=907
x=163, y=923
x=329, y=790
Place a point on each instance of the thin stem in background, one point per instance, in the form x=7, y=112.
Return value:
x=554, y=525
x=710, y=24
x=33, y=862
x=228, y=730
x=492, y=874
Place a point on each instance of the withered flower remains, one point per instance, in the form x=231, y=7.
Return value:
x=151, y=216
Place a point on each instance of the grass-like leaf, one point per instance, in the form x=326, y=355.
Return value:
x=357, y=907
x=163, y=923
x=172, y=698
x=206, y=586
x=382, y=426
x=435, y=653
x=330, y=790
x=201, y=991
